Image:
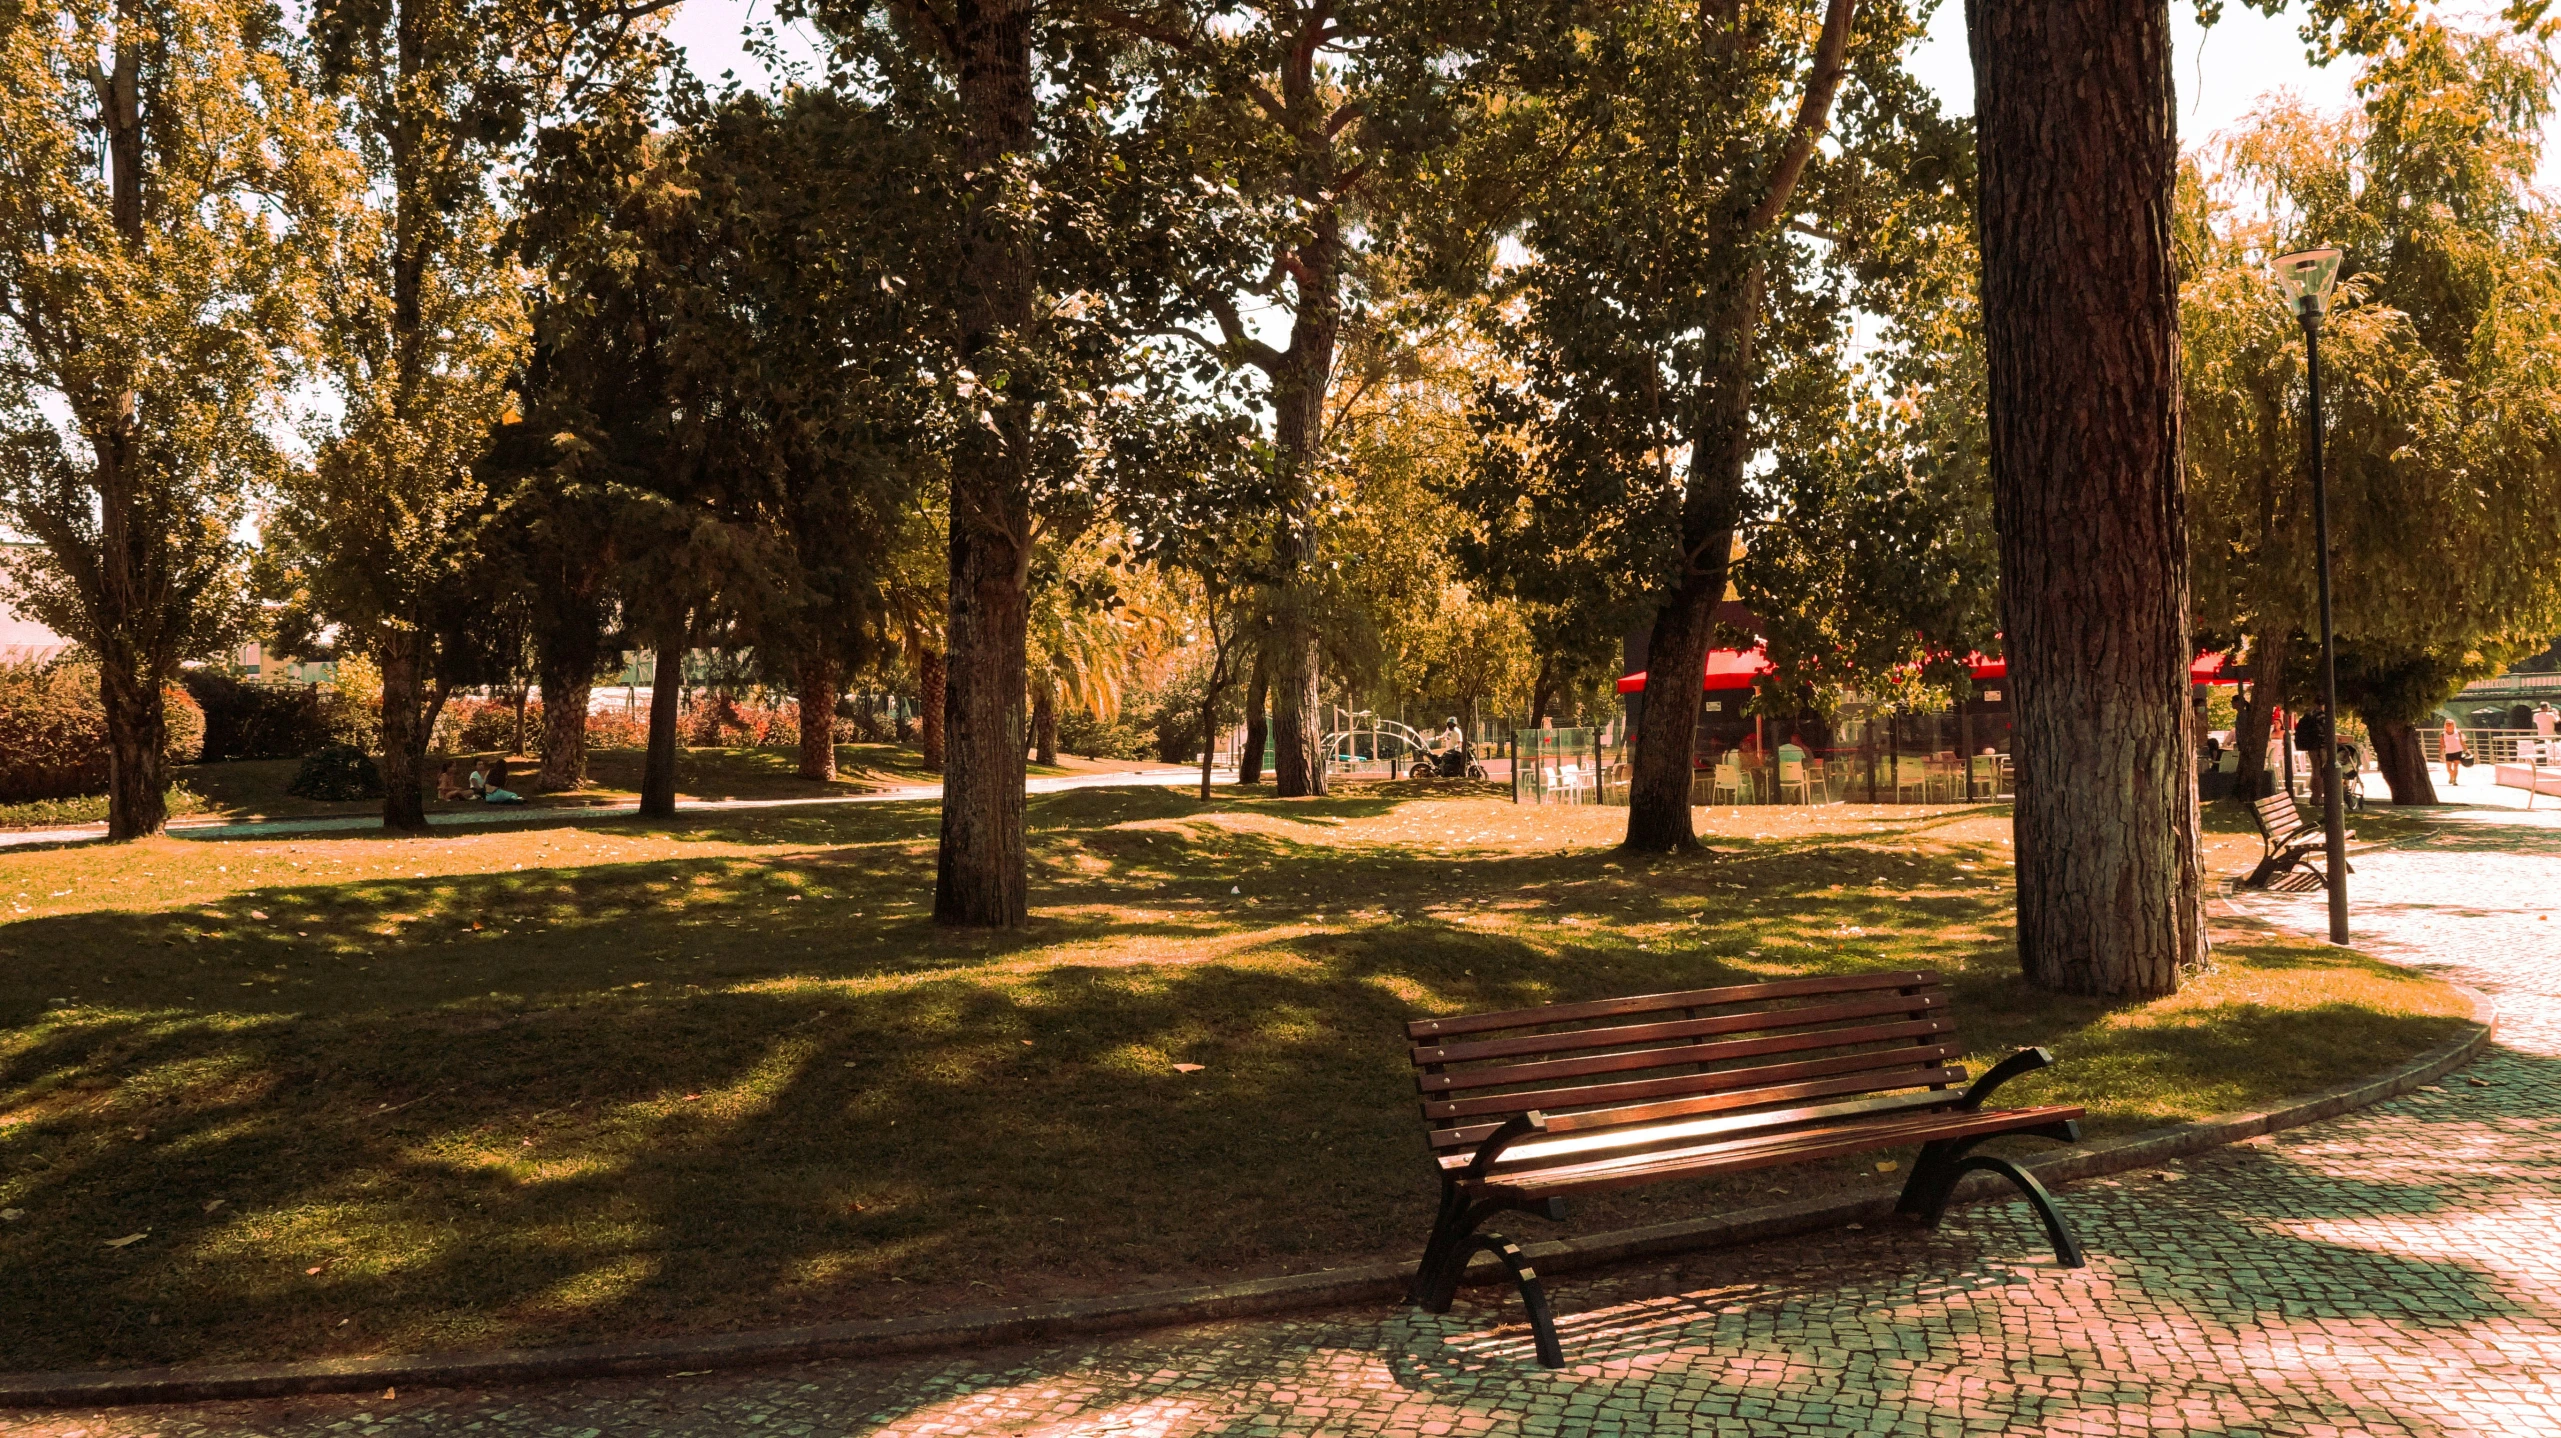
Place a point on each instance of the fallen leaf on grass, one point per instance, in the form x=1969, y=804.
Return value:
x=217, y=1203
x=1888, y=1166
x=1189, y=1068
x=127, y=1240
x=256, y=914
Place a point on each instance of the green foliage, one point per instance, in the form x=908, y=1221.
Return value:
x=244, y=720
x=53, y=731
x=337, y=772
x=160, y=167
x=2441, y=370
x=1081, y=732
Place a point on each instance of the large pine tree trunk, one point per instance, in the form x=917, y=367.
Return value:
x=2403, y=760
x=564, y=731
x=2253, y=715
x=817, y=684
x=979, y=878
x=404, y=739
x=2078, y=157
x=666, y=701
x=137, y=752
x=1658, y=788
x=1258, y=692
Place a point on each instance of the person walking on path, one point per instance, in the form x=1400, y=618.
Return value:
x=2451, y=746
x=2546, y=719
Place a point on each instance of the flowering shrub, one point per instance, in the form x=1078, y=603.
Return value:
x=53, y=731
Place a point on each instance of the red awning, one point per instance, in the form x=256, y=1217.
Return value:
x=1726, y=669
x=2206, y=669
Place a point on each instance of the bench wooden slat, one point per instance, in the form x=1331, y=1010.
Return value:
x=1775, y=1150
x=1592, y=1095
x=1574, y=1040
x=1458, y=1024
x=1692, y=1053
x=1641, y=1115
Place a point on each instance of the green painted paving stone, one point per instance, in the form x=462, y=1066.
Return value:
x=2389, y=1272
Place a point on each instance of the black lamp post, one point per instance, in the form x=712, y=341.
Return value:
x=2306, y=277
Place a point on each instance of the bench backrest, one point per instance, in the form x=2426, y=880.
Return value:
x=2279, y=816
x=1741, y=1050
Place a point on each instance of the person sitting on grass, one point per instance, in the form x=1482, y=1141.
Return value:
x=449, y=783
x=497, y=791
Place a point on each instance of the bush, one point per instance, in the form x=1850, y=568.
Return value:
x=337, y=772
x=1079, y=732
x=245, y=720
x=615, y=730
x=720, y=721
x=479, y=726
x=53, y=731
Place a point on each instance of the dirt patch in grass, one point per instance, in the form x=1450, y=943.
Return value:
x=366, y=1095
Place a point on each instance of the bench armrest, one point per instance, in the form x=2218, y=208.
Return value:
x=1517, y=1126
x=2025, y=1061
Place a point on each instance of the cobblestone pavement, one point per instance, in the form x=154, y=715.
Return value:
x=2390, y=1272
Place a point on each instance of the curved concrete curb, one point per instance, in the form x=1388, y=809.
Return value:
x=1326, y=1288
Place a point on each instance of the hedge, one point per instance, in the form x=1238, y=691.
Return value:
x=53, y=731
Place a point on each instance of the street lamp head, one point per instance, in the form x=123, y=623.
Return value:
x=2306, y=277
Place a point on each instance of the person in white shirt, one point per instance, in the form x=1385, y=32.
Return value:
x=2546, y=719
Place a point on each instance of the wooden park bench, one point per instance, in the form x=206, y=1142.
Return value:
x=1531, y=1106
x=2291, y=844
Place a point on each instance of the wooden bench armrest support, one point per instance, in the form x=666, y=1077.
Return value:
x=1516, y=1127
x=2025, y=1061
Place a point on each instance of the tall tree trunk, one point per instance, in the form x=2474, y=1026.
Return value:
x=1045, y=722
x=1541, y=687
x=2078, y=155
x=979, y=877
x=137, y=752
x=1299, y=380
x=2252, y=717
x=666, y=701
x=2403, y=760
x=404, y=740
x=929, y=708
x=516, y=744
x=130, y=665
x=981, y=880
x=1658, y=788
x=1258, y=693
x=817, y=676
x=566, y=687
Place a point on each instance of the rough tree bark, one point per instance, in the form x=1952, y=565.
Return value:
x=929, y=709
x=1545, y=683
x=137, y=752
x=1258, y=691
x=568, y=675
x=979, y=877
x=2254, y=713
x=666, y=700
x=817, y=685
x=2403, y=760
x=402, y=655
x=2078, y=154
x=1045, y=722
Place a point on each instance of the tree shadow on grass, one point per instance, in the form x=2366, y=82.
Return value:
x=760, y=1087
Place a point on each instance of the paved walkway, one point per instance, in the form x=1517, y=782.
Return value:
x=595, y=813
x=2393, y=1272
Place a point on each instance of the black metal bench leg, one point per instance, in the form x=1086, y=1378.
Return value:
x=2067, y=1250
x=1925, y=1172
x=1435, y=1279
x=1542, y=1324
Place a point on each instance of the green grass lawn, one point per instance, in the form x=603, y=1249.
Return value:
x=358, y=1094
